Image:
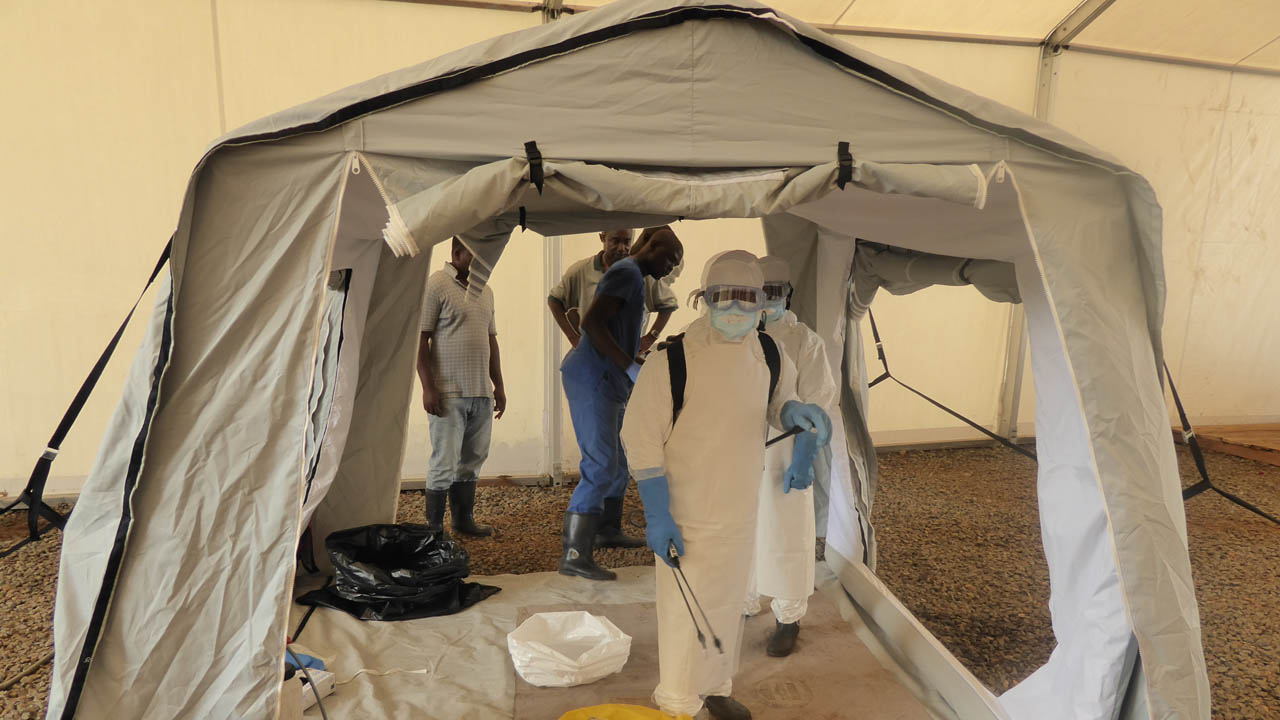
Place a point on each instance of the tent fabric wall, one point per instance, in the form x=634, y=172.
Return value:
x=132, y=128
x=1205, y=138
x=207, y=462
x=221, y=548
x=371, y=403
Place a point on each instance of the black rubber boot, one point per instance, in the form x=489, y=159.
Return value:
x=783, y=640
x=609, y=534
x=726, y=708
x=462, y=505
x=576, y=540
x=436, y=503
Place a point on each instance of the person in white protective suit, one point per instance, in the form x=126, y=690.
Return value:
x=785, y=533
x=697, y=462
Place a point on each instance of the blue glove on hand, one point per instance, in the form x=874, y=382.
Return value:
x=807, y=416
x=660, y=528
x=800, y=473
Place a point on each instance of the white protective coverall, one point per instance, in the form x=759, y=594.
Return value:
x=712, y=458
x=785, y=533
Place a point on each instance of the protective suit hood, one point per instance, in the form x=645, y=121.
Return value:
x=774, y=269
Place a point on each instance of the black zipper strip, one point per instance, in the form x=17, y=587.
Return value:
x=116, y=557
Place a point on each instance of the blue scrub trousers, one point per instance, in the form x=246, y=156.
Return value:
x=597, y=401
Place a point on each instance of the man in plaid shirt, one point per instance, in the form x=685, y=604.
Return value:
x=462, y=390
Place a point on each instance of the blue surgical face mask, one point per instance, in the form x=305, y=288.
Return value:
x=733, y=324
x=774, y=310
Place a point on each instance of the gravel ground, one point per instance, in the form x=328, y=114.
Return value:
x=27, y=581
x=959, y=544
x=528, y=523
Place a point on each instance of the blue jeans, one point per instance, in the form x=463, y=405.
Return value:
x=459, y=440
x=597, y=400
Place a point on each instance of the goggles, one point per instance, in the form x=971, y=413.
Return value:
x=776, y=290
x=722, y=297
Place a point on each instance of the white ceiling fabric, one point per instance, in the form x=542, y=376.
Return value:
x=1244, y=32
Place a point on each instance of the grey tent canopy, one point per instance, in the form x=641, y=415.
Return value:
x=236, y=419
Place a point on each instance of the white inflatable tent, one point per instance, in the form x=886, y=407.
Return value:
x=277, y=367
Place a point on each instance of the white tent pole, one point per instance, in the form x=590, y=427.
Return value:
x=1046, y=81
x=1175, y=60
x=552, y=398
x=1014, y=366
x=552, y=261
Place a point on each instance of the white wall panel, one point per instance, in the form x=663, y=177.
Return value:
x=280, y=53
x=1230, y=360
x=1206, y=141
x=109, y=106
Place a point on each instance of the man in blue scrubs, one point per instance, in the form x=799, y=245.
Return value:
x=598, y=375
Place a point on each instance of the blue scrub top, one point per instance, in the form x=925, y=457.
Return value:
x=622, y=280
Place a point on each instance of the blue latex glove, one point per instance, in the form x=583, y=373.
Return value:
x=800, y=473
x=660, y=528
x=807, y=416
x=633, y=372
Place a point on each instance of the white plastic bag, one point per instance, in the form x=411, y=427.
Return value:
x=562, y=649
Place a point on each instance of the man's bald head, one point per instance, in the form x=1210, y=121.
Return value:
x=658, y=251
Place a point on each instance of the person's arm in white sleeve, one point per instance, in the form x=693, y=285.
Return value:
x=647, y=423
x=815, y=383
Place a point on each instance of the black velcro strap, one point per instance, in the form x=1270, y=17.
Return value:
x=845, y=174
x=773, y=359
x=535, y=164
x=523, y=217
x=674, y=348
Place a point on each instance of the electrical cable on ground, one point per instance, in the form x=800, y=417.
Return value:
x=315, y=689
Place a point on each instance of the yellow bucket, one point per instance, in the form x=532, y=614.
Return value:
x=618, y=712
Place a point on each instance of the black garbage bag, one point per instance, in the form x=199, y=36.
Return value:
x=397, y=572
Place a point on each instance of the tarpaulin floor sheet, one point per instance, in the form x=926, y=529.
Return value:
x=457, y=667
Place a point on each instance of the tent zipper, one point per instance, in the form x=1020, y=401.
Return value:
x=359, y=159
